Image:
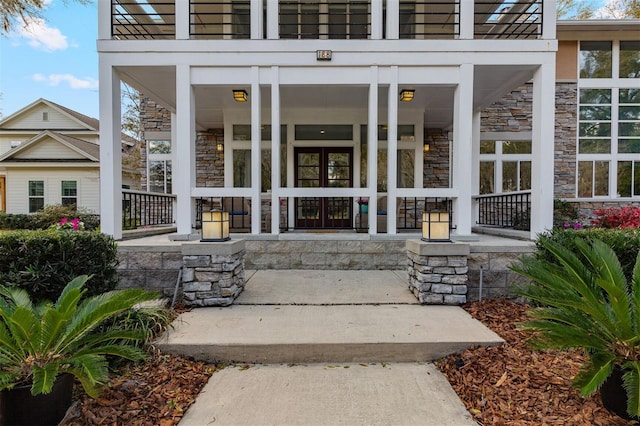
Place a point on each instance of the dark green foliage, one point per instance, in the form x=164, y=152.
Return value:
x=41, y=341
x=150, y=319
x=47, y=217
x=585, y=301
x=43, y=262
x=564, y=212
x=624, y=242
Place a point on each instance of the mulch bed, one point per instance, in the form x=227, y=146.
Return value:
x=505, y=385
x=513, y=385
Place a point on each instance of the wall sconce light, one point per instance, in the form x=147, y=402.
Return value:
x=426, y=147
x=220, y=146
x=215, y=226
x=240, y=95
x=435, y=226
x=406, y=95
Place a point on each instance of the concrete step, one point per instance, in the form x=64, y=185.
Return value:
x=328, y=333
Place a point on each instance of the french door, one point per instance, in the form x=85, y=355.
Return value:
x=324, y=167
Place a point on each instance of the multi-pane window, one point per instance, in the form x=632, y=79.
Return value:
x=608, y=151
x=324, y=19
x=159, y=176
x=36, y=195
x=69, y=191
x=505, y=166
x=242, y=156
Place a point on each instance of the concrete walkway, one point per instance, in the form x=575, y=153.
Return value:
x=326, y=348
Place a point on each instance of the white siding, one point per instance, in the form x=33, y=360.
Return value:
x=33, y=119
x=18, y=187
x=5, y=141
x=48, y=149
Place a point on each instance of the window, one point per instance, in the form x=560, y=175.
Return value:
x=159, y=164
x=36, y=195
x=505, y=166
x=69, y=193
x=594, y=118
x=595, y=59
x=45, y=116
x=324, y=19
x=15, y=144
x=629, y=59
x=242, y=157
x=593, y=178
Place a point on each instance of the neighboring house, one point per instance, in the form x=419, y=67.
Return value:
x=49, y=154
x=302, y=108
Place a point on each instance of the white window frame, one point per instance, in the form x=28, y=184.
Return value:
x=64, y=197
x=159, y=157
x=498, y=158
x=34, y=197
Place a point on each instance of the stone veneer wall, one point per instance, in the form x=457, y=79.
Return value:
x=156, y=267
x=436, y=161
x=512, y=113
x=565, y=140
x=209, y=161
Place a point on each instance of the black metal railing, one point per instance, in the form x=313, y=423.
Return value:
x=239, y=209
x=319, y=20
x=229, y=19
x=423, y=19
x=510, y=210
x=508, y=19
x=141, y=20
x=141, y=209
x=408, y=213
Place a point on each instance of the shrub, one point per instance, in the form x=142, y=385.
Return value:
x=625, y=217
x=47, y=217
x=564, y=212
x=624, y=242
x=43, y=262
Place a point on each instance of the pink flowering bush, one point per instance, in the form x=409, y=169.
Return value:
x=624, y=218
x=65, y=224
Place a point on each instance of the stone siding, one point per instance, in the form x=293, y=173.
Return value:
x=512, y=113
x=565, y=140
x=436, y=161
x=209, y=161
x=493, y=264
x=149, y=267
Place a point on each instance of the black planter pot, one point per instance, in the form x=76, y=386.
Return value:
x=19, y=407
x=614, y=397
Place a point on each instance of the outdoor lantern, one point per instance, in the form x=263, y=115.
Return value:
x=426, y=147
x=220, y=146
x=240, y=95
x=435, y=226
x=406, y=95
x=215, y=226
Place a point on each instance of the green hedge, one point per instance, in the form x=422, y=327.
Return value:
x=43, y=262
x=624, y=242
x=47, y=217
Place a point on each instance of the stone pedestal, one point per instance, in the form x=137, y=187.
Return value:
x=212, y=273
x=438, y=272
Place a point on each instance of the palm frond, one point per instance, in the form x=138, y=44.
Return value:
x=635, y=295
x=631, y=384
x=594, y=372
x=44, y=378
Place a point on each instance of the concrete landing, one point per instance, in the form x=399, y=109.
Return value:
x=328, y=394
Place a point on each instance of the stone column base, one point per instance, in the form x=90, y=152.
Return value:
x=212, y=273
x=438, y=272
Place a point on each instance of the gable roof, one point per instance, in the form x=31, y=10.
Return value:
x=88, y=150
x=87, y=122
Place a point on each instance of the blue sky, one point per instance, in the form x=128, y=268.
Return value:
x=56, y=60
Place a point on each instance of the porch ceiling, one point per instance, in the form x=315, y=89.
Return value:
x=436, y=102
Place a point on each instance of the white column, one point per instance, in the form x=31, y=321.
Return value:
x=256, y=18
x=548, y=19
x=376, y=20
x=275, y=151
x=393, y=19
x=462, y=153
x=372, y=151
x=183, y=20
x=272, y=20
x=466, y=19
x=542, y=148
x=256, y=157
x=184, y=170
x=104, y=20
x=110, y=152
x=392, y=153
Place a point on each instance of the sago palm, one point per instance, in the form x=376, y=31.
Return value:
x=584, y=301
x=40, y=342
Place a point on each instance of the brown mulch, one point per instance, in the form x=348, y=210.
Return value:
x=505, y=385
x=156, y=393
x=513, y=385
